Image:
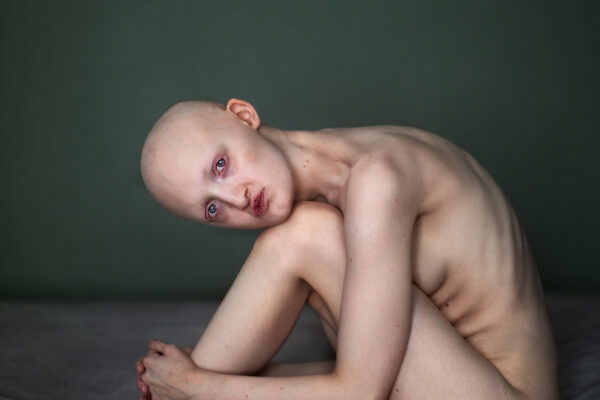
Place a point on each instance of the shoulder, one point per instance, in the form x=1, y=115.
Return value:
x=383, y=171
x=384, y=189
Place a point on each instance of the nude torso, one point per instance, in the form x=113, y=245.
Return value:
x=470, y=253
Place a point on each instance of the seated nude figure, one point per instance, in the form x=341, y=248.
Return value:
x=401, y=241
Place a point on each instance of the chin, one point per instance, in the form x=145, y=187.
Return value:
x=277, y=221
x=284, y=211
x=272, y=219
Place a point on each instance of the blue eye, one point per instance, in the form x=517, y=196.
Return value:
x=211, y=211
x=220, y=165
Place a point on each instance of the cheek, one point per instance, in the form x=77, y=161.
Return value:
x=285, y=203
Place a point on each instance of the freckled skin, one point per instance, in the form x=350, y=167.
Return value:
x=470, y=255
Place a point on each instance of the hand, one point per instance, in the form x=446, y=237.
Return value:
x=169, y=373
x=140, y=369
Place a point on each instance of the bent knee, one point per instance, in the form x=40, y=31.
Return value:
x=312, y=229
x=307, y=221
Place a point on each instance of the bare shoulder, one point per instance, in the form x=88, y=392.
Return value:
x=383, y=171
x=398, y=132
x=415, y=164
x=380, y=192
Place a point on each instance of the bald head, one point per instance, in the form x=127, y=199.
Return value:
x=201, y=113
x=181, y=123
x=209, y=163
x=180, y=138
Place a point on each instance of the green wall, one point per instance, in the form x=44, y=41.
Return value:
x=81, y=82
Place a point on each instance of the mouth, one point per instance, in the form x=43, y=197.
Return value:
x=259, y=203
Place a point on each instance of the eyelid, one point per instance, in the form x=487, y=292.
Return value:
x=206, y=215
x=214, y=171
x=214, y=167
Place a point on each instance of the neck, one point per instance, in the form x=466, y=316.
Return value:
x=319, y=170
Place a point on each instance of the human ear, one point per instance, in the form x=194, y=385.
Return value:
x=244, y=111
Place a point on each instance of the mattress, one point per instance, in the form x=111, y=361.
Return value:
x=87, y=350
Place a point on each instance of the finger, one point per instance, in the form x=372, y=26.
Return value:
x=149, y=359
x=157, y=345
x=167, y=349
x=152, y=353
x=141, y=385
x=146, y=378
x=139, y=365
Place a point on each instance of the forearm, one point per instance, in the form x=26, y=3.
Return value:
x=276, y=369
x=314, y=387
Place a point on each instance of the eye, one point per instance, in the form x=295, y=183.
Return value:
x=211, y=211
x=220, y=166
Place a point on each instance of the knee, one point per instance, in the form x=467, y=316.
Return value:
x=308, y=223
x=312, y=230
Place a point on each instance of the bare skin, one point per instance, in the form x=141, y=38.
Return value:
x=433, y=271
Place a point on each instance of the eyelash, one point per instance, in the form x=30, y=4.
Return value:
x=207, y=212
x=224, y=165
x=218, y=173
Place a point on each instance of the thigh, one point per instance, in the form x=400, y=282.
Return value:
x=255, y=317
x=439, y=363
x=305, y=259
x=264, y=302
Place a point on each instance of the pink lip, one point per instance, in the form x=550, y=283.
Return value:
x=259, y=204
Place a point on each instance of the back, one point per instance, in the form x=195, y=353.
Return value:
x=470, y=253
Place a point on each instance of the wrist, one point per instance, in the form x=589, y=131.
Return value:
x=199, y=382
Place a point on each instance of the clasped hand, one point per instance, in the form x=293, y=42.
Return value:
x=168, y=373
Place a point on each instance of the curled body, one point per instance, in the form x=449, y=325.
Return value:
x=470, y=255
x=417, y=258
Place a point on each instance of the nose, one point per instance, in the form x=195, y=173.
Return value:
x=236, y=196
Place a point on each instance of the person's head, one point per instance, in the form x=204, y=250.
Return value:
x=209, y=163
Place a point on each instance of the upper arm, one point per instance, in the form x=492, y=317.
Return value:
x=381, y=207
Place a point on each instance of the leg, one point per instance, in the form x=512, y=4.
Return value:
x=258, y=312
x=263, y=304
x=304, y=258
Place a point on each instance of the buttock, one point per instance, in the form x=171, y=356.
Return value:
x=522, y=349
